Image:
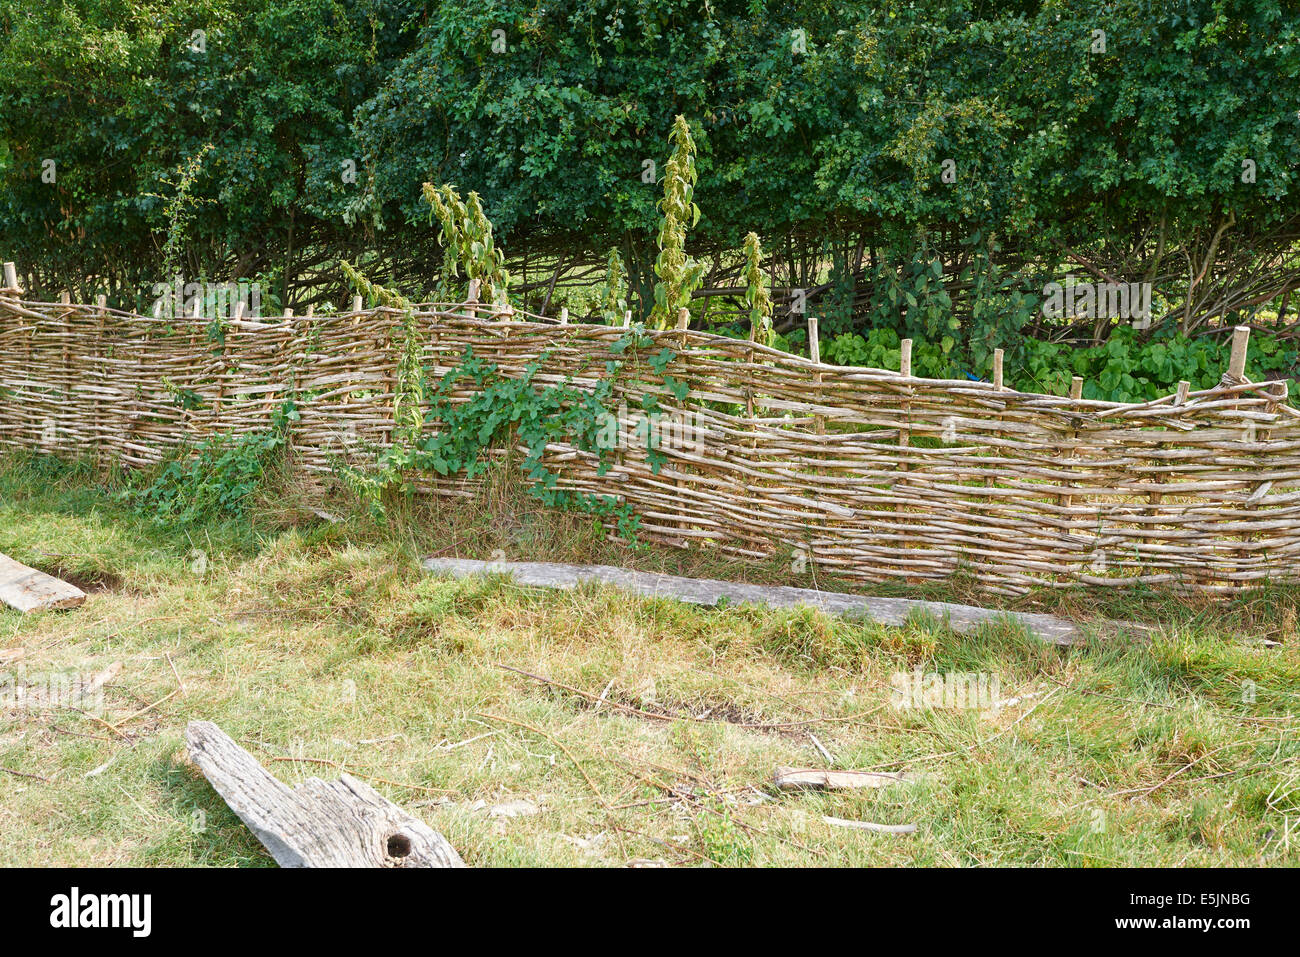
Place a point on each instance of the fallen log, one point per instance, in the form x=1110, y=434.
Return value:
x=708, y=591
x=343, y=823
x=28, y=590
x=797, y=779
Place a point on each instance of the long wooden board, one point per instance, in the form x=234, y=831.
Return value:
x=707, y=591
x=29, y=590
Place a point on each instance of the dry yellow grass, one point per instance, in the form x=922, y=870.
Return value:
x=322, y=647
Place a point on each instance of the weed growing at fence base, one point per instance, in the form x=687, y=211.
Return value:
x=216, y=478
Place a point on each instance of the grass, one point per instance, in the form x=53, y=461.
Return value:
x=320, y=647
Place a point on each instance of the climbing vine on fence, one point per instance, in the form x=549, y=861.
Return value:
x=506, y=408
x=503, y=409
x=407, y=413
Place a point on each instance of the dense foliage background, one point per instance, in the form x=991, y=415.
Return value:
x=916, y=168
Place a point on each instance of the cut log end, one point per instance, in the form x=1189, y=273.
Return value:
x=343, y=823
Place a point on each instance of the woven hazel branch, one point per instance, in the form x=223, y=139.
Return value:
x=871, y=474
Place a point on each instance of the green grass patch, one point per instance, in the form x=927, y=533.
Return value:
x=320, y=646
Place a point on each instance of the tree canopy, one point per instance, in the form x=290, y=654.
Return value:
x=941, y=159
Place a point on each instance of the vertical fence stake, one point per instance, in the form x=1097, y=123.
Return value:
x=98, y=353
x=221, y=368
x=1236, y=375
x=9, y=288
x=29, y=341
x=69, y=373
x=298, y=346
x=997, y=385
x=357, y=305
x=196, y=313
x=905, y=370
x=1237, y=359
x=904, y=432
x=819, y=421
x=1180, y=398
x=815, y=353
x=471, y=299
x=270, y=396
x=1070, y=448
x=1160, y=478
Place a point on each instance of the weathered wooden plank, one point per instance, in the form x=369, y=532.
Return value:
x=30, y=590
x=870, y=826
x=708, y=591
x=795, y=779
x=343, y=823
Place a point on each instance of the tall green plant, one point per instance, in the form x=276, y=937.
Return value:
x=180, y=209
x=613, y=293
x=679, y=275
x=483, y=261
x=466, y=238
x=217, y=478
x=446, y=206
x=1000, y=303
x=758, y=296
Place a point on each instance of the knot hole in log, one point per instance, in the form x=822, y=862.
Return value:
x=399, y=845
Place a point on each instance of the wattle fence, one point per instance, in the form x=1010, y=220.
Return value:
x=865, y=474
